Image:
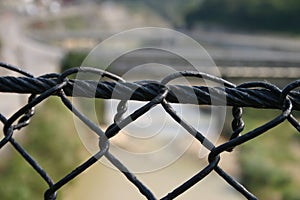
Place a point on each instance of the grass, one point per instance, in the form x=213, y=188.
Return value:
x=269, y=163
x=52, y=140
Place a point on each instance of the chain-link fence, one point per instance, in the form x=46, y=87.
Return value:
x=250, y=94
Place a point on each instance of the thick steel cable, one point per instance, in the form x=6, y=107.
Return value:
x=146, y=91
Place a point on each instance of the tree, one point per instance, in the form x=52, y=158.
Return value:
x=248, y=14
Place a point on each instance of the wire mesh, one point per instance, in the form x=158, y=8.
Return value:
x=250, y=94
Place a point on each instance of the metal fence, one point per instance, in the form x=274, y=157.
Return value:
x=250, y=94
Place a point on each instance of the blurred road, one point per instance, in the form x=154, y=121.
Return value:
x=242, y=47
x=101, y=182
x=18, y=50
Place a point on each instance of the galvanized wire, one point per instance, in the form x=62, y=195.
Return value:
x=251, y=94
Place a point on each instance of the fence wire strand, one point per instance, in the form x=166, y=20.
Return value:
x=251, y=94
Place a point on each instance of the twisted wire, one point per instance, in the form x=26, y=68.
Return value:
x=145, y=91
x=251, y=94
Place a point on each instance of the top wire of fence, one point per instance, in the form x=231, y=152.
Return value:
x=250, y=94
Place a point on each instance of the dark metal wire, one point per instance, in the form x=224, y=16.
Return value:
x=252, y=94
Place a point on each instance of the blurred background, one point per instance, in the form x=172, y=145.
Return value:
x=248, y=40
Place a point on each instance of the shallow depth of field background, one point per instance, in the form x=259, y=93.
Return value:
x=248, y=40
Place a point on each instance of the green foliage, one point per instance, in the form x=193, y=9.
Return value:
x=267, y=162
x=72, y=59
x=52, y=141
x=250, y=14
